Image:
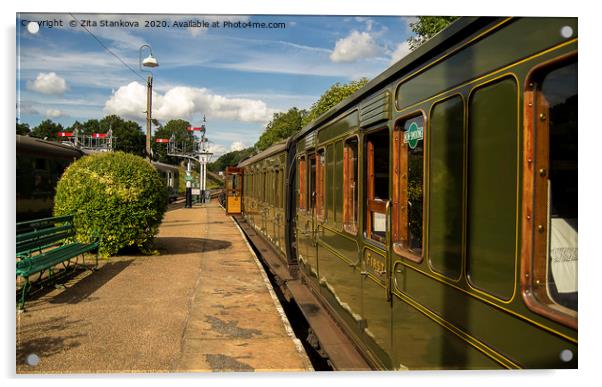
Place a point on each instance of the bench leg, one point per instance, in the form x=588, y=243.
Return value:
x=24, y=290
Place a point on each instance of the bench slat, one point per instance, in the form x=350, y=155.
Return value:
x=43, y=261
x=39, y=247
x=28, y=247
x=41, y=223
x=37, y=234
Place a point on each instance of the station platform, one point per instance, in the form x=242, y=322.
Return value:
x=203, y=304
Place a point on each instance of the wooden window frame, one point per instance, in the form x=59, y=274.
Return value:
x=350, y=211
x=282, y=194
x=372, y=204
x=311, y=200
x=534, y=234
x=302, y=182
x=264, y=178
x=320, y=184
x=276, y=187
x=399, y=195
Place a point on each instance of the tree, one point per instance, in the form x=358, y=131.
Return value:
x=128, y=134
x=426, y=27
x=117, y=196
x=178, y=128
x=91, y=126
x=335, y=94
x=230, y=159
x=48, y=130
x=282, y=126
x=130, y=137
x=23, y=129
x=77, y=126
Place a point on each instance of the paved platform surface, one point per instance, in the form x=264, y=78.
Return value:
x=203, y=304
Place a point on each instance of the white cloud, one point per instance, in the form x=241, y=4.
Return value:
x=369, y=22
x=183, y=102
x=402, y=50
x=53, y=113
x=48, y=83
x=237, y=146
x=216, y=149
x=357, y=45
x=407, y=20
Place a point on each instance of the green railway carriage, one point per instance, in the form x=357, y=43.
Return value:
x=40, y=165
x=263, y=190
x=434, y=212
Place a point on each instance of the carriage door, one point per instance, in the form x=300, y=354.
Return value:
x=311, y=252
x=376, y=307
x=234, y=190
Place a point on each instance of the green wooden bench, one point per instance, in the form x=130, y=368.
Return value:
x=42, y=245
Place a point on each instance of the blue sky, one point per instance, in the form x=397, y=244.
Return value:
x=236, y=77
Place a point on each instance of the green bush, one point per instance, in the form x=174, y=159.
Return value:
x=118, y=196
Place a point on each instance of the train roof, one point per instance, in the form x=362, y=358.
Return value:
x=438, y=44
x=435, y=46
x=37, y=146
x=276, y=148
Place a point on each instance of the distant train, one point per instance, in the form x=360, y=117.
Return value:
x=434, y=212
x=40, y=165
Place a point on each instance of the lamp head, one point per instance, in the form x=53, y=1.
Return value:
x=150, y=61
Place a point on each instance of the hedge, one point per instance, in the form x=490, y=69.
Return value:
x=115, y=195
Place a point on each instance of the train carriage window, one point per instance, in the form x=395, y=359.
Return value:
x=338, y=184
x=312, y=182
x=446, y=182
x=350, y=179
x=330, y=191
x=407, y=209
x=271, y=190
x=301, y=188
x=377, y=184
x=270, y=187
x=41, y=164
x=249, y=185
x=277, y=189
x=264, y=191
x=281, y=188
x=552, y=120
x=320, y=183
x=492, y=187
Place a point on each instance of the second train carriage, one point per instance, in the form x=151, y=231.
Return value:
x=435, y=211
x=40, y=165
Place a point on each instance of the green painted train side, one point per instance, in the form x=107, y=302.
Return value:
x=263, y=191
x=467, y=313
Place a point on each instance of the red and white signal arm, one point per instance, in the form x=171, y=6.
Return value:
x=161, y=140
x=65, y=134
x=194, y=128
x=99, y=135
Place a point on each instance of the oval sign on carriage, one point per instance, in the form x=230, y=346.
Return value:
x=414, y=134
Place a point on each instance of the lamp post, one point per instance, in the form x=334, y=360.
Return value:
x=151, y=62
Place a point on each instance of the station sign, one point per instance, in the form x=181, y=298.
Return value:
x=414, y=134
